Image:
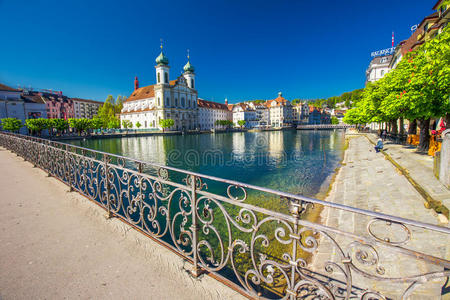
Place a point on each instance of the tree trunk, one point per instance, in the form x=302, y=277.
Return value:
x=394, y=127
x=412, y=129
x=424, y=141
x=402, y=126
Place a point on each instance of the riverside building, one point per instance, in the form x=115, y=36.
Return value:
x=209, y=112
x=167, y=99
x=85, y=108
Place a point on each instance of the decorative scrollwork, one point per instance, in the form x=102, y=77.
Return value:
x=236, y=197
x=388, y=227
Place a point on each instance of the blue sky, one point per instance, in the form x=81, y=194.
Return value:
x=240, y=49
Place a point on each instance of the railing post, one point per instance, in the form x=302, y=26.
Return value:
x=194, y=227
x=107, y=186
x=295, y=211
x=68, y=173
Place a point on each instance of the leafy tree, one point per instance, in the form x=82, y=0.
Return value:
x=126, y=124
x=242, y=123
x=138, y=125
x=37, y=125
x=11, y=124
x=334, y=120
x=113, y=123
x=80, y=125
x=97, y=123
x=59, y=124
x=166, y=123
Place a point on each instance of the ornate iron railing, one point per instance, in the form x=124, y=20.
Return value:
x=226, y=228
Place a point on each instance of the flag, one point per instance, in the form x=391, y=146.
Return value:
x=392, y=39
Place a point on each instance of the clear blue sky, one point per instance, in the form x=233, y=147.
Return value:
x=240, y=49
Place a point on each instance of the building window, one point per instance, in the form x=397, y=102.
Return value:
x=167, y=101
x=159, y=77
x=159, y=101
x=192, y=83
x=382, y=73
x=425, y=28
x=182, y=102
x=176, y=101
x=166, y=77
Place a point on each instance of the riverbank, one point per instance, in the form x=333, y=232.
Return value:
x=367, y=180
x=59, y=245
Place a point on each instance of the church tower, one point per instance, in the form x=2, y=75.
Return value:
x=189, y=74
x=162, y=68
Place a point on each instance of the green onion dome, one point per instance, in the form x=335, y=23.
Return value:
x=162, y=59
x=188, y=68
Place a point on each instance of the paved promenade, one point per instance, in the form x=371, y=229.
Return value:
x=58, y=245
x=420, y=168
x=368, y=180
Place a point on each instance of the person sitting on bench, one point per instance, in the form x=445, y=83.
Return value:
x=379, y=145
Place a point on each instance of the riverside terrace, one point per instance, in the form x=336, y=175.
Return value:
x=214, y=224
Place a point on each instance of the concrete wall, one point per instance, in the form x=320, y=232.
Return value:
x=444, y=172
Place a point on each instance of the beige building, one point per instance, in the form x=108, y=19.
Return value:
x=85, y=108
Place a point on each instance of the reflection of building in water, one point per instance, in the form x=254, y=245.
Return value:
x=151, y=149
x=276, y=144
x=238, y=143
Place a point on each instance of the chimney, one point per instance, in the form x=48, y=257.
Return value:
x=136, y=83
x=226, y=101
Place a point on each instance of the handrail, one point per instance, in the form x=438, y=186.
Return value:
x=260, y=252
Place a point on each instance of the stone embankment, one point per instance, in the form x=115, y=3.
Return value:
x=368, y=180
x=58, y=245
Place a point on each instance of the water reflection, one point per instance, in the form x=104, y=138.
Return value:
x=291, y=161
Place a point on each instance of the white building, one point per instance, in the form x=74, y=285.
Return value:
x=379, y=66
x=167, y=99
x=280, y=111
x=242, y=112
x=209, y=112
x=262, y=114
x=85, y=108
x=21, y=105
x=300, y=113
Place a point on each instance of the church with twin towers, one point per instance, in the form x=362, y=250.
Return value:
x=171, y=99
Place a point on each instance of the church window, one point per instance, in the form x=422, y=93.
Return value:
x=159, y=101
x=176, y=101
x=159, y=77
x=166, y=77
x=192, y=83
x=167, y=101
x=182, y=102
x=189, y=102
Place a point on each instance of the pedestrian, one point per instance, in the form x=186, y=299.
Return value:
x=379, y=145
x=384, y=135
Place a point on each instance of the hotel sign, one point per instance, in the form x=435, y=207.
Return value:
x=387, y=51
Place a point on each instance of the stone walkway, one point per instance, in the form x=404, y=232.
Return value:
x=420, y=168
x=58, y=245
x=368, y=181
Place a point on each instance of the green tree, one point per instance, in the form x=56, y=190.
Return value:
x=126, y=124
x=80, y=125
x=59, y=124
x=113, y=123
x=37, y=125
x=11, y=124
x=166, y=123
x=242, y=123
x=138, y=125
x=334, y=120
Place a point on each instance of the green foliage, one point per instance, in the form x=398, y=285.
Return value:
x=242, y=123
x=11, y=124
x=37, y=125
x=81, y=125
x=126, y=124
x=225, y=123
x=334, y=120
x=59, y=124
x=97, y=123
x=166, y=123
x=108, y=111
x=138, y=125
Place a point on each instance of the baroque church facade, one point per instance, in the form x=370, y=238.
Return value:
x=167, y=99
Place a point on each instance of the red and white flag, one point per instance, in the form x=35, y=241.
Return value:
x=392, y=39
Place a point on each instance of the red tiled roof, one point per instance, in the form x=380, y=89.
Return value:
x=437, y=4
x=7, y=88
x=434, y=15
x=146, y=92
x=210, y=104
